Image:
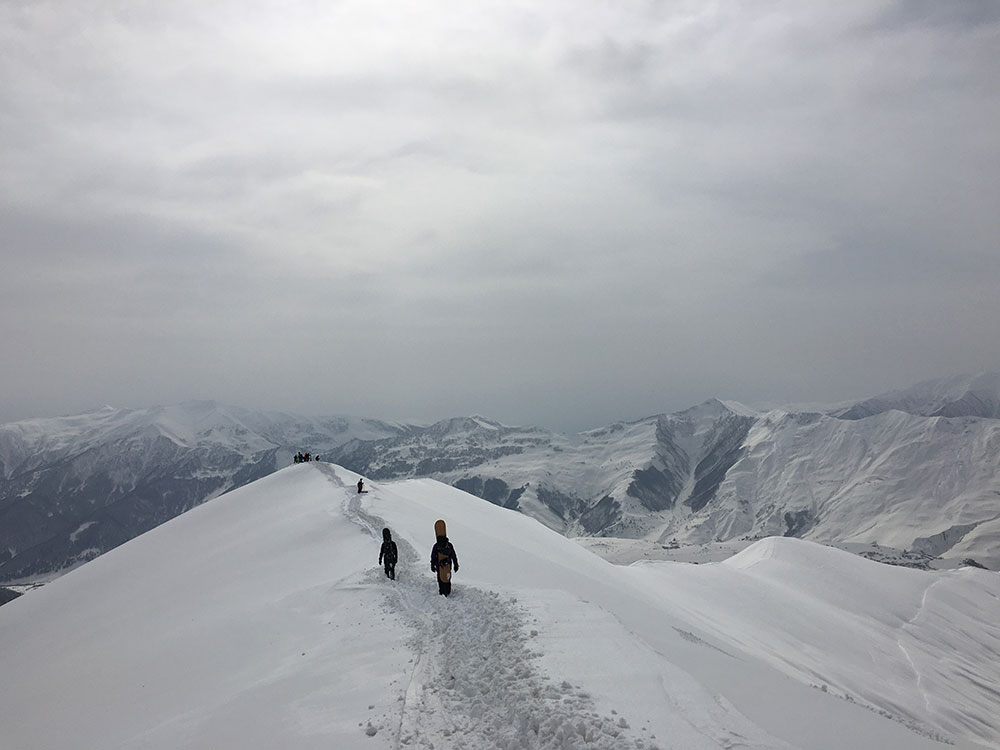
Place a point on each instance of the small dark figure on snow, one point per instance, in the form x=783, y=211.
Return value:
x=361, y=486
x=388, y=555
x=443, y=562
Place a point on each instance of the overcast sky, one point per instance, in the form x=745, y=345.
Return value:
x=561, y=213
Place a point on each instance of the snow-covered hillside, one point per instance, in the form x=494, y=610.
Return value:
x=260, y=620
x=625, y=479
x=930, y=484
x=74, y=487
x=917, y=471
x=894, y=478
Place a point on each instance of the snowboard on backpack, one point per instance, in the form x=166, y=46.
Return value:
x=444, y=560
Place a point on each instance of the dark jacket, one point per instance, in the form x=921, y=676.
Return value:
x=445, y=548
x=388, y=550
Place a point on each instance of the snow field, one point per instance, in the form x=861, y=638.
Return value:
x=919, y=647
x=261, y=619
x=680, y=642
x=474, y=684
x=581, y=660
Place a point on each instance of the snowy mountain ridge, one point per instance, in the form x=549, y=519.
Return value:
x=712, y=473
x=904, y=476
x=260, y=619
x=74, y=487
x=959, y=396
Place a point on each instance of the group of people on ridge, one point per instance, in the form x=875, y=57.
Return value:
x=301, y=458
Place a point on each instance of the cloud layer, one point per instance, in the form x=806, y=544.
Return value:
x=558, y=213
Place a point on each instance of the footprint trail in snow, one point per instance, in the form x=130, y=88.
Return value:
x=474, y=684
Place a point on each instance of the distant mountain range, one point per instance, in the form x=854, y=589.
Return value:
x=960, y=396
x=913, y=469
x=72, y=488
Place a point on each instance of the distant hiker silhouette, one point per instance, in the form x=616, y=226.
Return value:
x=361, y=486
x=388, y=555
x=443, y=559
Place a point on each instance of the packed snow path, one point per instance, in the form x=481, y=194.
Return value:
x=473, y=685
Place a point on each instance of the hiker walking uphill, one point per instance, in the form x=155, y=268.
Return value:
x=443, y=559
x=388, y=554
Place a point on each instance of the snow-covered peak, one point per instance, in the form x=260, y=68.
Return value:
x=192, y=422
x=739, y=408
x=713, y=408
x=458, y=427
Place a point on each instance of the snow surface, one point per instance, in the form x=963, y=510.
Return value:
x=261, y=620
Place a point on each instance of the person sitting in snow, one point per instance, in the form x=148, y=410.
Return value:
x=388, y=554
x=443, y=562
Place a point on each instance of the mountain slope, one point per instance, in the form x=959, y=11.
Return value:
x=260, y=620
x=893, y=479
x=898, y=471
x=715, y=473
x=74, y=487
x=622, y=480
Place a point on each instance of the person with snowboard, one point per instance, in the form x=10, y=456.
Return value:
x=443, y=561
x=388, y=554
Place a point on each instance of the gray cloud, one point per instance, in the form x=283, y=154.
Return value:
x=961, y=15
x=566, y=214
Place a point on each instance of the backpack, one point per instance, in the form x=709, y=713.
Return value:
x=444, y=565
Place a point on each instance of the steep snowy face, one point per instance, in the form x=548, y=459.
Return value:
x=72, y=488
x=894, y=478
x=691, y=453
